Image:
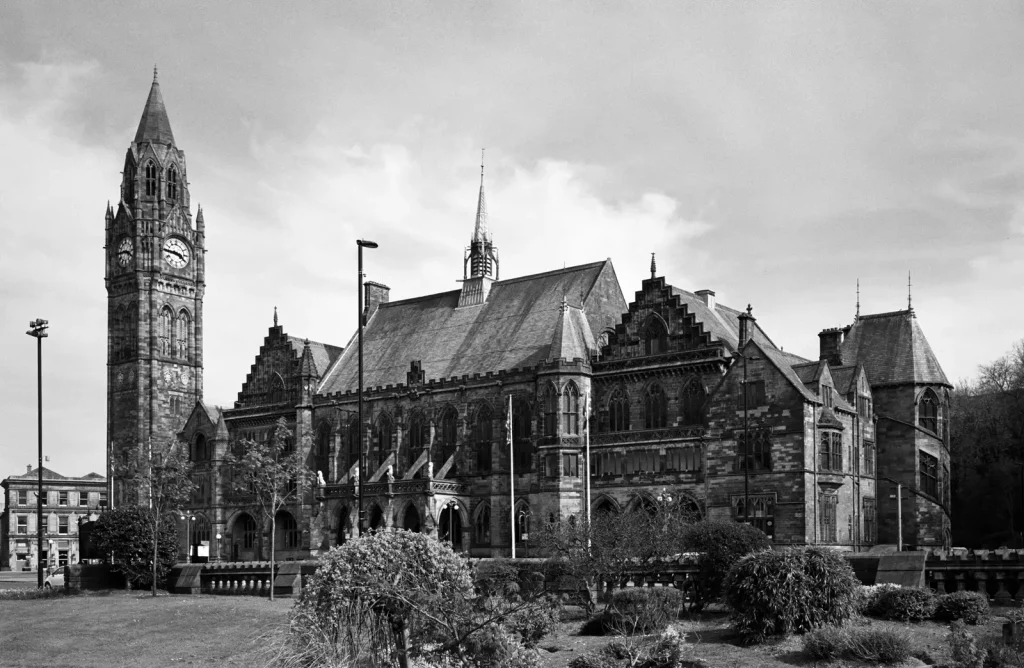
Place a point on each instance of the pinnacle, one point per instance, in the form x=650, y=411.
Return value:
x=154, y=126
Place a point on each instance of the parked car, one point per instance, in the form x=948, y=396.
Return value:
x=54, y=578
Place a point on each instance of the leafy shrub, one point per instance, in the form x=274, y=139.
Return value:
x=495, y=647
x=826, y=643
x=594, y=626
x=533, y=623
x=962, y=647
x=720, y=544
x=642, y=610
x=907, y=604
x=970, y=606
x=127, y=532
x=670, y=651
x=868, y=597
x=497, y=576
x=787, y=591
x=879, y=646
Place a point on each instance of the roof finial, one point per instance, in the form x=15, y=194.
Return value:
x=275, y=316
x=750, y=310
x=856, y=316
x=154, y=72
x=910, y=306
x=654, y=266
x=482, y=167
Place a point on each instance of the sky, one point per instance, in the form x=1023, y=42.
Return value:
x=775, y=153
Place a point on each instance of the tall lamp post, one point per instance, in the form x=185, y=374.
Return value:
x=188, y=518
x=38, y=330
x=524, y=521
x=361, y=243
x=453, y=507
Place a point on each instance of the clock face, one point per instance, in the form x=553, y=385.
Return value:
x=176, y=252
x=125, y=250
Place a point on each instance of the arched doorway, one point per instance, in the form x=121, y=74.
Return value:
x=287, y=536
x=449, y=526
x=344, y=526
x=376, y=518
x=411, y=520
x=243, y=539
x=199, y=540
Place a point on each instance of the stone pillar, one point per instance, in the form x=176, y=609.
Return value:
x=1002, y=595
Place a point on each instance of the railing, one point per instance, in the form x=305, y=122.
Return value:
x=997, y=573
x=397, y=487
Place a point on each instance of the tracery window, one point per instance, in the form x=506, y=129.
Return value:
x=172, y=183
x=483, y=438
x=419, y=436
x=570, y=410
x=551, y=411
x=870, y=524
x=929, y=475
x=691, y=402
x=761, y=515
x=830, y=450
x=288, y=535
x=522, y=441
x=182, y=335
x=165, y=331
x=446, y=440
x=759, y=450
x=381, y=444
x=150, y=178
x=618, y=411
x=321, y=461
x=354, y=444
x=928, y=411
x=655, y=416
x=655, y=337
x=248, y=531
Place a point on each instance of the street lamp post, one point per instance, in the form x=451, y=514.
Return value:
x=361, y=243
x=524, y=519
x=453, y=506
x=38, y=330
x=188, y=519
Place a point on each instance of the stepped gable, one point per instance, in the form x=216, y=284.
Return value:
x=721, y=321
x=272, y=379
x=521, y=324
x=893, y=350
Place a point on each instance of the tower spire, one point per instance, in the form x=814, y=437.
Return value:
x=654, y=266
x=480, y=232
x=275, y=316
x=910, y=306
x=154, y=126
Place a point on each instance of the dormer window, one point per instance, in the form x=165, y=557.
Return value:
x=150, y=179
x=826, y=396
x=172, y=184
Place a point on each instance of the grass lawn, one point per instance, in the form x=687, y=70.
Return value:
x=134, y=629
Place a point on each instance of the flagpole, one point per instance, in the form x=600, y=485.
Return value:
x=511, y=478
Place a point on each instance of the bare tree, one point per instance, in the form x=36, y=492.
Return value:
x=272, y=474
x=160, y=477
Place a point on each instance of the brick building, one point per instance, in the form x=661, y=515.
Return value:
x=66, y=500
x=480, y=402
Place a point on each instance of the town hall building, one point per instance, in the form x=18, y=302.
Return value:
x=482, y=403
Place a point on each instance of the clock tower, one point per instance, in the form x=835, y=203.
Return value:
x=155, y=279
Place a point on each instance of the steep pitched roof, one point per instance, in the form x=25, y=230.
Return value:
x=722, y=321
x=785, y=362
x=893, y=350
x=154, y=126
x=324, y=354
x=520, y=325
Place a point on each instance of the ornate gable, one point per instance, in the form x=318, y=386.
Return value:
x=273, y=377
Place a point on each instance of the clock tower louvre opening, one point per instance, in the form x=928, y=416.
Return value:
x=155, y=280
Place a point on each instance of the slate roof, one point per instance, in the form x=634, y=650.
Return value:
x=893, y=350
x=154, y=126
x=324, y=354
x=844, y=378
x=521, y=324
x=722, y=322
x=53, y=475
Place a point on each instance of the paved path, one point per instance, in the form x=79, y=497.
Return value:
x=18, y=580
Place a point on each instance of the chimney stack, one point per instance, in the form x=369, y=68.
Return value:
x=28, y=468
x=374, y=294
x=830, y=342
x=708, y=297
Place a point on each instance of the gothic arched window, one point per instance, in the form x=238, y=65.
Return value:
x=419, y=436
x=482, y=525
x=172, y=183
x=131, y=330
x=691, y=402
x=447, y=438
x=551, y=411
x=321, y=461
x=200, y=450
x=928, y=411
x=522, y=441
x=182, y=335
x=483, y=438
x=288, y=535
x=570, y=409
x=655, y=337
x=276, y=394
x=381, y=444
x=618, y=411
x=166, y=330
x=354, y=444
x=655, y=408
x=150, y=179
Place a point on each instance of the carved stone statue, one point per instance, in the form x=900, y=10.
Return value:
x=320, y=478
x=391, y=474
x=430, y=470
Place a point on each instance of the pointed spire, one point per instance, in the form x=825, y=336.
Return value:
x=654, y=266
x=275, y=316
x=154, y=126
x=856, y=316
x=200, y=222
x=480, y=232
x=910, y=304
x=307, y=367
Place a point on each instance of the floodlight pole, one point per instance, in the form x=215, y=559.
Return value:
x=361, y=243
x=38, y=330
